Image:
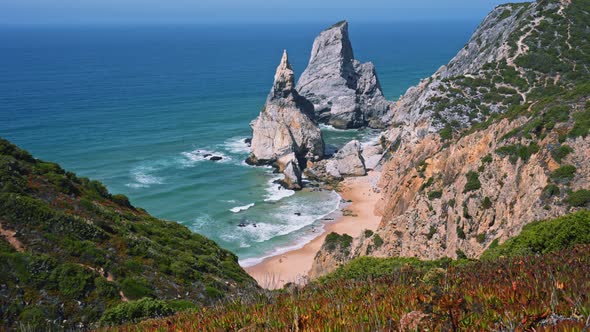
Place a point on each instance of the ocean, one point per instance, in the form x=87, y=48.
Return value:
x=137, y=107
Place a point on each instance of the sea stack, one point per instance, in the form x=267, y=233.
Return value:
x=285, y=134
x=345, y=93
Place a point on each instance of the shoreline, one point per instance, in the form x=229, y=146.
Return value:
x=293, y=266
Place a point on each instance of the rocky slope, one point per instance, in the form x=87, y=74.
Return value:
x=345, y=92
x=69, y=250
x=496, y=139
x=285, y=133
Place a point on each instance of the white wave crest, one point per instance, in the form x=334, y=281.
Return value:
x=238, y=209
x=276, y=192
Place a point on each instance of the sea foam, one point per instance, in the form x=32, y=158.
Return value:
x=238, y=209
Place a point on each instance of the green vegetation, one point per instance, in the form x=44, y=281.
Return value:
x=373, y=294
x=514, y=152
x=579, y=198
x=364, y=268
x=461, y=233
x=377, y=241
x=135, y=311
x=546, y=236
x=561, y=152
x=436, y=194
x=427, y=184
x=472, y=182
x=341, y=243
x=486, y=203
x=564, y=174
x=582, y=125
x=551, y=190
x=84, y=245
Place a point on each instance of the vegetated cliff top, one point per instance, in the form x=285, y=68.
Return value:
x=69, y=250
x=494, y=140
x=546, y=289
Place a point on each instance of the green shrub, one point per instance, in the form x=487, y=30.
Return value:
x=370, y=267
x=546, y=236
x=472, y=182
x=135, y=288
x=487, y=203
x=427, y=184
x=72, y=280
x=435, y=194
x=514, y=152
x=460, y=254
x=98, y=188
x=377, y=241
x=336, y=241
x=561, y=152
x=461, y=233
x=551, y=190
x=481, y=238
x=213, y=292
x=487, y=159
x=121, y=200
x=579, y=198
x=446, y=133
x=565, y=173
x=368, y=233
x=135, y=311
x=582, y=125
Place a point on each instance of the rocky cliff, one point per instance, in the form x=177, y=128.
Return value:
x=345, y=92
x=285, y=133
x=494, y=140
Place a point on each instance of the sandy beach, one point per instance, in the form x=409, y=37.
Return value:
x=276, y=271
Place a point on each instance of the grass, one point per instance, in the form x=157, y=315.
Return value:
x=370, y=294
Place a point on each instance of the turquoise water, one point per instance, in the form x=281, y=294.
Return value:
x=138, y=107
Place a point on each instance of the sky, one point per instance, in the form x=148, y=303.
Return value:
x=238, y=11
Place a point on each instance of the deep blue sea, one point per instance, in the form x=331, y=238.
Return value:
x=137, y=107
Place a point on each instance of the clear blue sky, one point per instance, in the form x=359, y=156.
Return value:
x=224, y=11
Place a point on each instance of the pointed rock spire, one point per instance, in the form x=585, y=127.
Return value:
x=345, y=93
x=284, y=82
x=285, y=133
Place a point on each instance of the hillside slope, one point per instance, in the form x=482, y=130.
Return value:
x=69, y=250
x=545, y=290
x=496, y=139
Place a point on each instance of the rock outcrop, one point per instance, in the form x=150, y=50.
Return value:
x=475, y=151
x=348, y=161
x=285, y=133
x=345, y=92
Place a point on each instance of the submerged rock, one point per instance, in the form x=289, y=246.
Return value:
x=344, y=92
x=285, y=133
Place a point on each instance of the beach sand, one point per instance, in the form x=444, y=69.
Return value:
x=274, y=272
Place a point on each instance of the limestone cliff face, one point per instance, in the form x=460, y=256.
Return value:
x=345, y=92
x=475, y=152
x=285, y=133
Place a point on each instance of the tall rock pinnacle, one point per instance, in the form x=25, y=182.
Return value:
x=285, y=133
x=284, y=83
x=345, y=92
